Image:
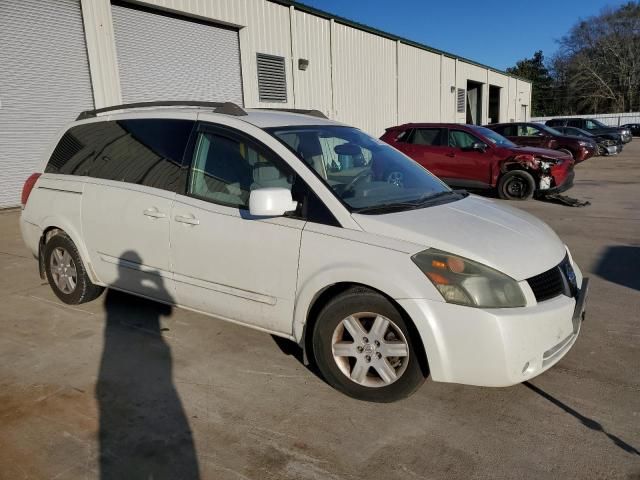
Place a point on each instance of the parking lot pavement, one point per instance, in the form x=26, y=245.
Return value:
x=211, y=399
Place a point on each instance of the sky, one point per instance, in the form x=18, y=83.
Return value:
x=492, y=32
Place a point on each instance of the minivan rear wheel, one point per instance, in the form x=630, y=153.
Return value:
x=364, y=348
x=66, y=273
x=516, y=185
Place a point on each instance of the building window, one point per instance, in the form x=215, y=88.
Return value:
x=272, y=78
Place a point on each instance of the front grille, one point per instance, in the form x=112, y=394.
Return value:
x=553, y=282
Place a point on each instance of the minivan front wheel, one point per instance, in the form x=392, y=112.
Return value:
x=66, y=273
x=363, y=348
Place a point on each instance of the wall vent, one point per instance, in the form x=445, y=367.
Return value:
x=272, y=78
x=462, y=93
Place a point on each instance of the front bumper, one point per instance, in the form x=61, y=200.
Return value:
x=563, y=187
x=496, y=347
x=585, y=153
x=612, y=149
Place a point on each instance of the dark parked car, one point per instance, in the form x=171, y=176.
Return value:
x=606, y=146
x=470, y=156
x=536, y=135
x=593, y=126
x=634, y=128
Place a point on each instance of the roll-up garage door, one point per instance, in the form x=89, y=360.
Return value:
x=166, y=57
x=44, y=83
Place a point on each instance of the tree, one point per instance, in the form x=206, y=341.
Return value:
x=596, y=69
x=601, y=57
x=534, y=69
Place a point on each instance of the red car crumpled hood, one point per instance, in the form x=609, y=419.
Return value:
x=542, y=152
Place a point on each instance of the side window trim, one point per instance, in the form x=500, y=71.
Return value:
x=237, y=135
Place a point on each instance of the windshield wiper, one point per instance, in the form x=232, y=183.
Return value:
x=419, y=203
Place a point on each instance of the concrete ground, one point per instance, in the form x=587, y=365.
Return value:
x=86, y=389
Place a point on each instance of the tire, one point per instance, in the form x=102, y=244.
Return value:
x=352, y=373
x=516, y=185
x=66, y=273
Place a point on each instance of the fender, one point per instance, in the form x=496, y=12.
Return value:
x=395, y=287
x=55, y=221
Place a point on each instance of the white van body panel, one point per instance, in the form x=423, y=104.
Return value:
x=267, y=272
x=236, y=266
x=126, y=229
x=503, y=238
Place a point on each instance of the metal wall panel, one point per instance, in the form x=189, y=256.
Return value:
x=418, y=85
x=167, y=58
x=448, y=90
x=364, y=79
x=44, y=83
x=312, y=42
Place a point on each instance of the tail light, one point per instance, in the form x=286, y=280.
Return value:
x=28, y=186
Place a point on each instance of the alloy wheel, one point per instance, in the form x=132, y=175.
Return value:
x=63, y=270
x=370, y=349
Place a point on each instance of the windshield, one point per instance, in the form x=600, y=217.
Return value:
x=365, y=173
x=597, y=123
x=494, y=137
x=550, y=130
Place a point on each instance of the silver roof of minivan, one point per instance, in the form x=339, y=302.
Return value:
x=260, y=117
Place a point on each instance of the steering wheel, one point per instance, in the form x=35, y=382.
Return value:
x=357, y=179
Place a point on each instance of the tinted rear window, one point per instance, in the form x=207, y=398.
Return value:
x=142, y=151
x=427, y=136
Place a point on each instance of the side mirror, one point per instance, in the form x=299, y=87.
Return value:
x=479, y=146
x=271, y=202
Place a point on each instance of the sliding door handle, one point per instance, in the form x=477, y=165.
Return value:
x=188, y=219
x=153, y=213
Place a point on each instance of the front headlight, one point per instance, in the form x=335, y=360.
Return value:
x=465, y=282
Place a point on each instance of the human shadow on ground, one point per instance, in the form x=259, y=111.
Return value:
x=144, y=432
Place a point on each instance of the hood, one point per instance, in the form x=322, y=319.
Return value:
x=606, y=131
x=543, y=152
x=576, y=138
x=504, y=238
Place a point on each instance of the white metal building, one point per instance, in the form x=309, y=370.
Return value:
x=59, y=57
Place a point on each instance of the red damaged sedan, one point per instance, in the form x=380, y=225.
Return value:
x=470, y=156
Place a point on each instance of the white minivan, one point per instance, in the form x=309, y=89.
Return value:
x=307, y=229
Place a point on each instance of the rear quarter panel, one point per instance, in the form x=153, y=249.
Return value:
x=56, y=201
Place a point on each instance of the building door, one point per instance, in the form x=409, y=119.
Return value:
x=162, y=56
x=44, y=83
x=474, y=103
x=494, y=104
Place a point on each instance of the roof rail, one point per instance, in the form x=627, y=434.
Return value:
x=227, y=108
x=313, y=113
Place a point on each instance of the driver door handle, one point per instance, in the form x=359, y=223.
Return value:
x=188, y=219
x=450, y=154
